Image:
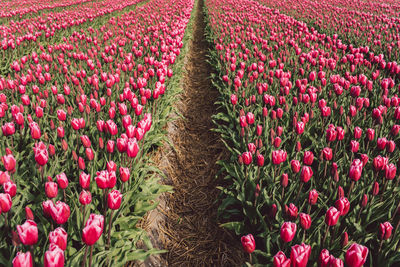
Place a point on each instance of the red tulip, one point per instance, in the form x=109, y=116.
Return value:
x=22, y=260
x=93, y=229
x=342, y=205
x=5, y=202
x=295, y=165
x=308, y=158
x=385, y=230
x=41, y=154
x=114, y=199
x=280, y=260
x=305, y=221
x=332, y=216
x=299, y=255
x=51, y=189
x=29, y=213
x=28, y=233
x=9, y=162
x=35, y=130
x=324, y=258
x=124, y=174
x=54, y=258
x=312, y=197
x=247, y=158
x=8, y=129
x=132, y=148
x=390, y=171
x=355, y=170
x=306, y=174
x=60, y=212
x=288, y=231
x=248, y=243
x=356, y=255
x=10, y=188
x=59, y=237
x=85, y=197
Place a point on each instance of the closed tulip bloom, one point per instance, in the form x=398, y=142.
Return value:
x=357, y=132
x=247, y=158
x=60, y=212
x=288, y=231
x=280, y=260
x=331, y=134
x=356, y=255
x=9, y=162
x=250, y=118
x=278, y=156
x=385, y=230
x=51, y=189
x=132, y=148
x=41, y=154
x=59, y=237
x=313, y=197
x=295, y=165
x=342, y=205
x=8, y=129
x=54, y=258
x=306, y=174
x=111, y=127
x=370, y=134
x=89, y=153
x=10, y=188
x=327, y=153
x=354, y=146
x=248, y=243
x=308, y=158
x=390, y=171
x=93, y=229
x=47, y=206
x=332, y=216
x=340, y=133
x=5, y=202
x=381, y=143
x=28, y=233
x=62, y=180
x=292, y=211
x=335, y=262
x=124, y=174
x=35, y=130
x=379, y=163
x=102, y=179
x=114, y=199
x=22, y=260
x=355, y=170
x=300, y=127
x=29, y=213
x=375, y=189
x=345, y=239
x=85, y=197
x=85, y=141
x=284, y=180
x=84, y=180
x=299, y=255
x=364, y=201
x=390, y=146
x=305, y=221
x=324, y=258
x=110, y=146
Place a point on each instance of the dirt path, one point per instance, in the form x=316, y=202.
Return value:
x=189, y=229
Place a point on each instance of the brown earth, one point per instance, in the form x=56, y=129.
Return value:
x=185, y=222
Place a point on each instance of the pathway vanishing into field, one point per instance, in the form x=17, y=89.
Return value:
x=189, y=229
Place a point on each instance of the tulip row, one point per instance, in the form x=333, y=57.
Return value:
x=374, y=23
x=311, y=125
x=20, y=8
x=80, y=120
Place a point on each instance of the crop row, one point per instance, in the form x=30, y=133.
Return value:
x=311, y=123
x=80, y=119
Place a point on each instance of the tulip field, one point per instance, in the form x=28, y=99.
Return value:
x=307, y=113
x=309, y=91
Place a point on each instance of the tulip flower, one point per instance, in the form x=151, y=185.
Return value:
x=308, y=158
x=305, y=221
x=356, y=255
x=5, y=202
x=41, y=154
x=54, y=258
x=342, y=205
x=28, y=233
x=288, y=231
x=51, y=189
x=280, y=260
x=324, y=258
x=385, y=230
x=93, y=229
x=84, y=180
x=299, y=255
x=10, y=188
x=60, y=212
x=23, y=260
x=59, y=237
x=9, y=162
x=295, y=165
x=248, y=243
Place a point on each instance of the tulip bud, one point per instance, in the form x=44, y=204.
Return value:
x=345, y=239
x=356, y=255
x=312, y=197
x=288, y=231
x=332, y=216
x=385, y=230
x=305, y=221
x=248, y=243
